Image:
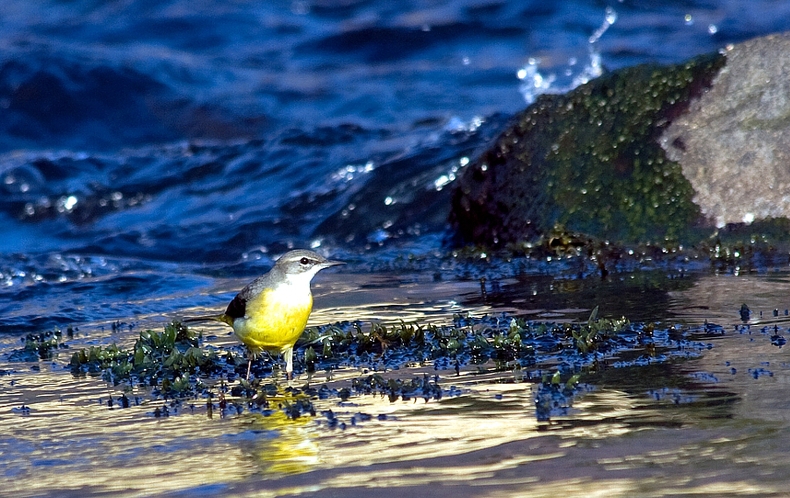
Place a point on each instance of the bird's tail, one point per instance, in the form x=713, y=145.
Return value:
x=209, y=318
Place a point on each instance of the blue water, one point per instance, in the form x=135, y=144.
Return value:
x=149, y=147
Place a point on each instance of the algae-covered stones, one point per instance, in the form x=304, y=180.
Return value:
x=588, y=162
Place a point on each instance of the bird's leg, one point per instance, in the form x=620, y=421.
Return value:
x=251, y=355
x=289, y=363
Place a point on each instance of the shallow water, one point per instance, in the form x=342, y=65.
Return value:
x=711, y=424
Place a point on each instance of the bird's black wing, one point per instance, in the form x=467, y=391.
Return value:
x=237, y=308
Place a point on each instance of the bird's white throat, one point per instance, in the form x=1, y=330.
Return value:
x=295, y=287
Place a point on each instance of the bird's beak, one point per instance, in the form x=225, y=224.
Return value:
x=327, y=264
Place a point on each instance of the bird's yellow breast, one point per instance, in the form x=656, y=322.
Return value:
x=274, y=319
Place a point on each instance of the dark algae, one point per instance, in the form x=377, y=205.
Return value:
x=42, y=346
x=588, y=162
x=163, y=360
x=173, y=365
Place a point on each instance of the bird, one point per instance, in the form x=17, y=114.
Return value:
x=270, y=313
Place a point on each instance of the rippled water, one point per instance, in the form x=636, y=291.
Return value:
x=218, y=134
x=712, y=424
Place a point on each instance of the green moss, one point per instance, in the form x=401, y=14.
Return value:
x=173, y=363
x=508, y=342
x=555, y=356
x=43, y=346
x=588, y=162
x=165, y=360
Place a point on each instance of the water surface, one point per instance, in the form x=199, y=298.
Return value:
x=711, y=424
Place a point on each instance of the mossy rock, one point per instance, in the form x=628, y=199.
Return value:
x=589, y=162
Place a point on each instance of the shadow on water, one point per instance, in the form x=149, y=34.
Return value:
x=639, y=296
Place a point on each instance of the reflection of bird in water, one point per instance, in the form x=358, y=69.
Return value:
x=288, y=446
x=271, y=312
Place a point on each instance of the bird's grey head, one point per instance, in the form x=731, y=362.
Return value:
x=303, y=262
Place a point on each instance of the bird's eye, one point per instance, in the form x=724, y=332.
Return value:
x=304, y=261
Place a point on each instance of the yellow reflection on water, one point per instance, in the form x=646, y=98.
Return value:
x=615, y=442
x=291, y=448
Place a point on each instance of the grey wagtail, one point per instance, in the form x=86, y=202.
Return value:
x=271, y=312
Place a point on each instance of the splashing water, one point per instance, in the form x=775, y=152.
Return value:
x=535, y=83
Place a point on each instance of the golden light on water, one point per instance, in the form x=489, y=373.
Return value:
x=483, y=439
x=288, y=447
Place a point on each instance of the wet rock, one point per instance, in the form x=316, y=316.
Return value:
x=588, y=162
x=732, y=143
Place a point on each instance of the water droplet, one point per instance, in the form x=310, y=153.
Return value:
x=70, y=202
